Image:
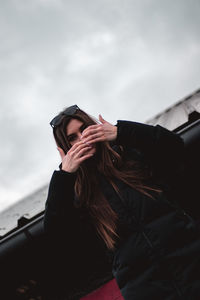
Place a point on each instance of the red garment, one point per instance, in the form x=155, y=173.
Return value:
x=109, y=291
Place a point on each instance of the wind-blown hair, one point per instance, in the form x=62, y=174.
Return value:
x=108, y=163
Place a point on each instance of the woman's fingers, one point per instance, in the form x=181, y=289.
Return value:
x=97, y=139
x=77, y=147
x=93, y=138
x=91, y=130
x=100, y=132
x=93, y=133
x=80, y=151
x=85, y=157
x=83, y=152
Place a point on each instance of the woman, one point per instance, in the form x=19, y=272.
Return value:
x=125, y=180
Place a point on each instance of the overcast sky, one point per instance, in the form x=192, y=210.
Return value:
x=125, y=59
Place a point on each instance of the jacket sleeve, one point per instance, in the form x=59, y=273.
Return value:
x=65, y=224
x=70, y=236
x=59, y=208
x=161, y=149
x=61, y=227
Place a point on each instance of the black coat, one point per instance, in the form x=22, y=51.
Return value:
x=158, y=254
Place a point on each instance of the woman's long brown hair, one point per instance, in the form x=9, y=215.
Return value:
x=111, y=165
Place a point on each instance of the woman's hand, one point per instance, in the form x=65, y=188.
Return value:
x=100, y=132
x=75, y=156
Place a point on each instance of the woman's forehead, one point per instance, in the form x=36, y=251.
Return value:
x=73, y=126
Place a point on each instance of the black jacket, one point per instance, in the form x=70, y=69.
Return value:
x=158, y=254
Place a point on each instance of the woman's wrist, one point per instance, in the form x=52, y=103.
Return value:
x=65, y=170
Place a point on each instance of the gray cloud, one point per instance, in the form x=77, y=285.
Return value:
x=126, y=59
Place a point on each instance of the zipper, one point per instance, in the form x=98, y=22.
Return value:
x=177, y=289
x=147, y=239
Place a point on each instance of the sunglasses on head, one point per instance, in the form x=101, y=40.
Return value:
x=70, y=111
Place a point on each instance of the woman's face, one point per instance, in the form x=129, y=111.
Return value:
x=74, y=131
